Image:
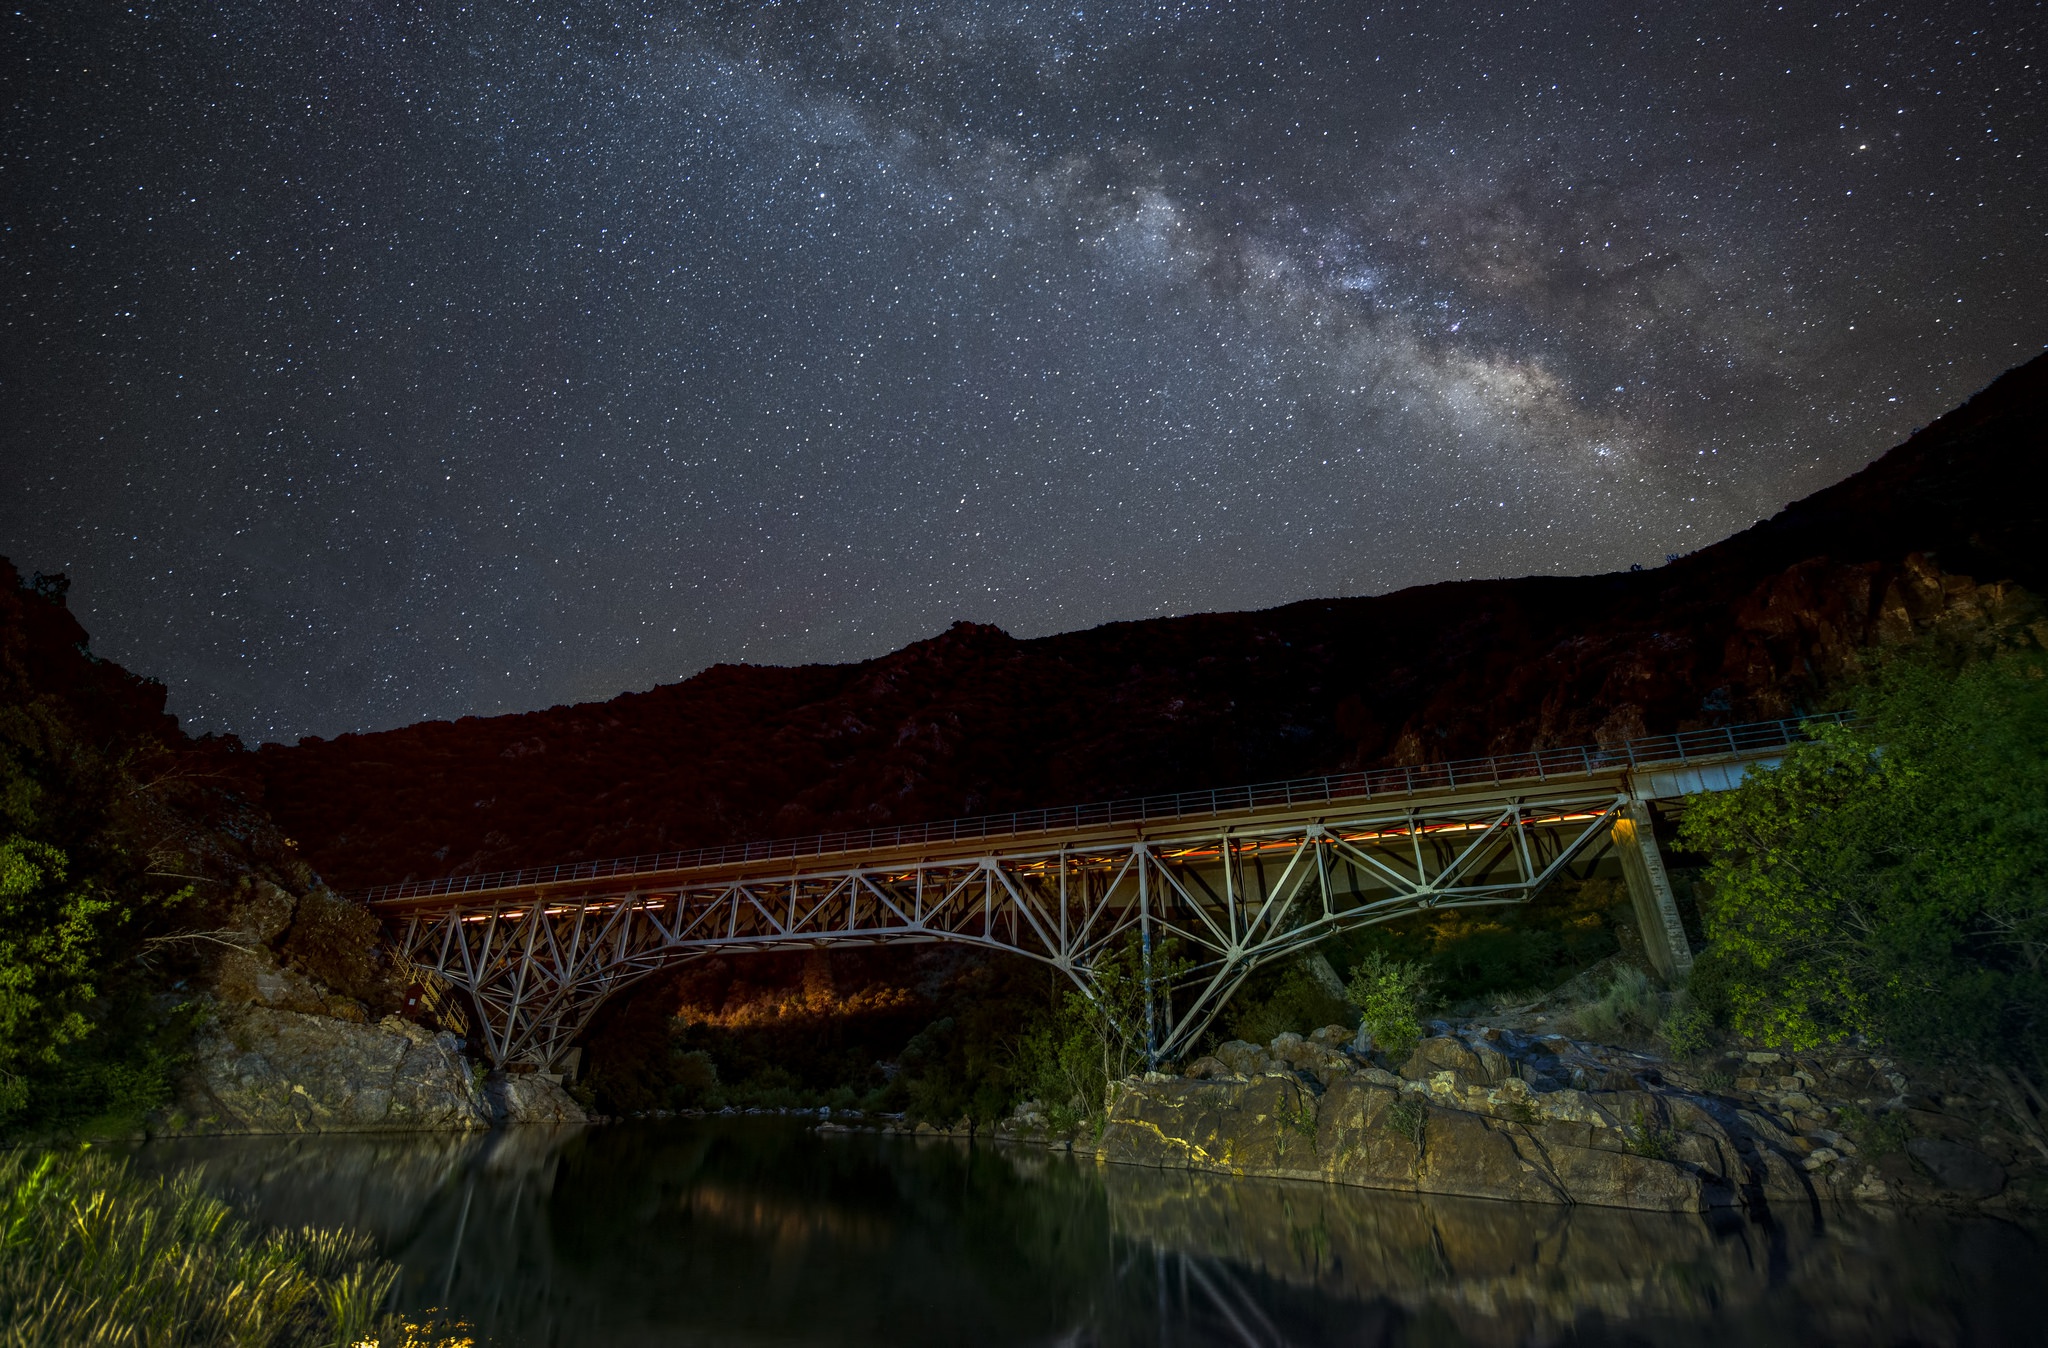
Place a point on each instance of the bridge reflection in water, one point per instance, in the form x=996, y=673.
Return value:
x=757, y=1231
x=1236, y=878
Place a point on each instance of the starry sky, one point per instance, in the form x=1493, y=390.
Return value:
x=365, y=362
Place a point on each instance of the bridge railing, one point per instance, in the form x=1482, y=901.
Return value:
x=1367, y=784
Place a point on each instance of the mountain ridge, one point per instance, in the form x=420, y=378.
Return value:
x=1939, y=530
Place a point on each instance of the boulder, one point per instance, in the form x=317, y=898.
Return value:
x=256, y=912
x=1246, y=1060
x=1314, y=1058
x=1494, y=1065
x=1205, y=1067
x=1960, y=1170
x=531, y=1097
x=1383, y=1139
x=252, y=975
x=256, y=1069
x=1442, y=1053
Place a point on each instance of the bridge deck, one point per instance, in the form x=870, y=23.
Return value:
x=1529, y=776
x=1235, y=877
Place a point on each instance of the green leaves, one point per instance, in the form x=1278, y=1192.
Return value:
x=1891, y=878
x=1390, y=995
x=48, y=937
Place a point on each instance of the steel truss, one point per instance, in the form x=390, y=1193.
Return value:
x=537, y=965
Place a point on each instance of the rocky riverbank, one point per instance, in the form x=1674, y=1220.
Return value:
x=292, y=1039
x=1480, y=1111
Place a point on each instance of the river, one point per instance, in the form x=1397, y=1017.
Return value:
x=760, y=1231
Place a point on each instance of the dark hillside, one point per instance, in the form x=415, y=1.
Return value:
x=45, y=655
x=1938, y=531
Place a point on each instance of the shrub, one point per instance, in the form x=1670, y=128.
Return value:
x=1645, y=1138
x=335, y=941
x=1627, y=1007
x=1409, y=1117
x=1391, y=996
x=1687, y=1028
x=1060, y=1063
x=1885, y=1131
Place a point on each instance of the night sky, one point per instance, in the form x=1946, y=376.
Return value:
x=366, y=362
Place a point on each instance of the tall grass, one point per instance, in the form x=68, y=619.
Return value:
x=93, y=1254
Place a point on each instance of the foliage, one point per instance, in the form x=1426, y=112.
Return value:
x=71, y=892
x=1687, y=1028
x=1068, y=1061
x=1627, y=1008
x=1888, y=1130
x=91, y=1253
x=1298, y=1002
x=1409, y=1116
x=1891, y=878
x=1060, y=1064
x=1645, y=1138
x=335, y=942
x=1391, y=996
x=1477, y=958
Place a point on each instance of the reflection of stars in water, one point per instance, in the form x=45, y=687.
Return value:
x=372, y=366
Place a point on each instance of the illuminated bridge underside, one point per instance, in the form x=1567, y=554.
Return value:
x=1233, y=897
x=1235, y=878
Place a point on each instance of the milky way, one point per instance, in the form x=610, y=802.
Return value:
x=365, y=362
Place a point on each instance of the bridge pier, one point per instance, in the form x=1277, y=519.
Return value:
x=1649, y=889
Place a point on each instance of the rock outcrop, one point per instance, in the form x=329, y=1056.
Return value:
x=1488, y=1113
x=256, y=1069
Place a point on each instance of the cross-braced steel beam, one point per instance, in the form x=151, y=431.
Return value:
x=538, y=965
x=1236, y=877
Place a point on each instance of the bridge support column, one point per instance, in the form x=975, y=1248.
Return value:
x=1650, y=889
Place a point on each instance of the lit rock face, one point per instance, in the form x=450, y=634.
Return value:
x=257, y=1069
x=1463, y=1117
x=1379, y=1137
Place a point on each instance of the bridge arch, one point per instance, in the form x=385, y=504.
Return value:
x=1239, y=878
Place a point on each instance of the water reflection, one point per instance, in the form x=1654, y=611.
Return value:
x=756, y=1231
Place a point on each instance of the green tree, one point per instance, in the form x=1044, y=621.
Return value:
x=1891, y=878
x=1100, y=1036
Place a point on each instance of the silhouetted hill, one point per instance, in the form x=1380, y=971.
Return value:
x=45, y=659
x=974, y=720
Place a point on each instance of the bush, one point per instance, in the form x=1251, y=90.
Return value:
x=1890, y=879
x=1060, y=1063
x=1879, y=1133
x=1391, y=997
x=1068, y=1060
x=1686, y=1029
x=1627, y=1008
x=90, y=1253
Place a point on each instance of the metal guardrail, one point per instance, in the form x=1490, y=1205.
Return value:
x=1498, y=769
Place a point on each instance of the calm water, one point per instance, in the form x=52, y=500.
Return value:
x=758, y=1231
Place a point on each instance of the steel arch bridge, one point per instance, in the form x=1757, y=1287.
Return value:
x=1238, y=878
